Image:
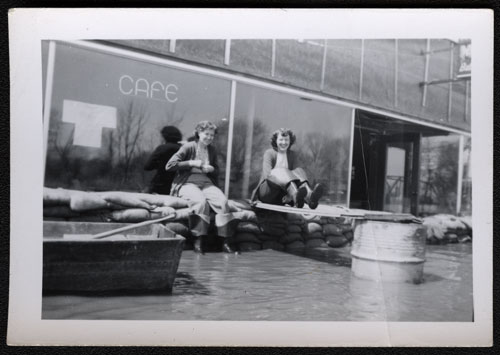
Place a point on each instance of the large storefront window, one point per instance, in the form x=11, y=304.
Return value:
x=466, y=202
x=107, y=112
x=438, y=174
x=323, y=137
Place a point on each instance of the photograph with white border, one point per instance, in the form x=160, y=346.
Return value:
x=266, y=177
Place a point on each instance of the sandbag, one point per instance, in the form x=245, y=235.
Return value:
x=56, y=197
x=242, y=237
x=86, y=201
x=239, y=205
x=290, y=238
x=249, y=246
x=182, y=214
x=178, y=228
x=332, y=229
x=267, y=238
x=248, y=227
x=126, y=199
x=315, y=235
x=273, y=245
x=293, y=229
x=59, y=211
x=295, y=245
x=294, y=218
x=316, y=243
x=273, y=230
x=248, y=216
x=349, y=235
x=335, y=241
x=451, y=237
x=131, y=215
x=313, y=227
x=345, y=228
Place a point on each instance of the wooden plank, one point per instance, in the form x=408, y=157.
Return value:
x=324, y=211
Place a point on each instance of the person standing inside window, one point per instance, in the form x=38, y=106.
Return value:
x=162, y=181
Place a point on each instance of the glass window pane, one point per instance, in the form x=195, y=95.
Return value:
x=323, y=137
x=252, y=56
x=378, y=72
x=466, y=203
x=300, y=63
x=107, y=112
x=343, y=63
x=203, y=51
x=438, y=174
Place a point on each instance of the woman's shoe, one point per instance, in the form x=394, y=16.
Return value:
x=296, y=194
x=198, y=246
x=314, y=195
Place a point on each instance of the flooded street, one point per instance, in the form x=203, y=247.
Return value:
x=312, y=285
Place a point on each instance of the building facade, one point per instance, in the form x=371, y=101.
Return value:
x=384, y=124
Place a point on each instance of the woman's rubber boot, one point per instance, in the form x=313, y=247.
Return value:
x=296, y=194
x=314, y=195
x=226, y=246
x=198, y=245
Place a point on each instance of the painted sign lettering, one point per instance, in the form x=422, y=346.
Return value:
x=152, y=90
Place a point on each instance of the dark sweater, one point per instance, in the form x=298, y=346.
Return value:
x=162, y=181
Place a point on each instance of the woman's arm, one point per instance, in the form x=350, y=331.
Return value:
x=267, y=163
x=180, y=160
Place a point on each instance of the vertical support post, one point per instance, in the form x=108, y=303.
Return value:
x=415, y=181
x=460, y=173
x=323, y=66
x=47, y=105
x=273, y=57
x=351, y=149
x=467, y=103
x=247, y=165
x=450, y=84
x=396, y=71
x=227, y=52
x=426, y=71
x=230, y=138
x=361, y=68
x=172, y=46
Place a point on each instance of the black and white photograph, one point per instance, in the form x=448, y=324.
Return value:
x=296, y=184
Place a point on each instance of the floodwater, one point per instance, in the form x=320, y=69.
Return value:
x=313, y=285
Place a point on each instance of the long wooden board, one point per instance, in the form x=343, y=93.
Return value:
x=323, y=211
x=341, y=211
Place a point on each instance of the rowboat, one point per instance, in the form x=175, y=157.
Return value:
x=145, y=258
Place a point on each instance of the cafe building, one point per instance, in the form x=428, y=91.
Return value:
x=384, y=123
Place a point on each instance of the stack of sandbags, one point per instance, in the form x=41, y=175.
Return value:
x=313, y=233
x=337, y=231
x=445, y=228
x=247, y=236
x=111, y=206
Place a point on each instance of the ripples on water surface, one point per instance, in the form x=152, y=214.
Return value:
x=314, y=285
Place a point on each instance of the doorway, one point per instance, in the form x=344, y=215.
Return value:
x=385, y=163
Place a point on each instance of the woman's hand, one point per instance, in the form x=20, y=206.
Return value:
x=196, y=164
x=207, y=168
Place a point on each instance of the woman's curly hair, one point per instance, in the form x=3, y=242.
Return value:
x=203, y=126
x=282, y=132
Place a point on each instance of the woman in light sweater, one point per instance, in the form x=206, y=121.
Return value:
x=282, y=182
x=195, y=180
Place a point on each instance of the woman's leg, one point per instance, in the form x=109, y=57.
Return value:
x=313, y=194
x=199, y=218
x=224, y=219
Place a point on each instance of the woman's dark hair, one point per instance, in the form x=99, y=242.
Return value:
x=203, y=126
x=282, y=132
x=171, y=134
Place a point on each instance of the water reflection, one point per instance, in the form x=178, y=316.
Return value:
x=314, y=285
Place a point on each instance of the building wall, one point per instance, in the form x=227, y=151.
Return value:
x=381, y=73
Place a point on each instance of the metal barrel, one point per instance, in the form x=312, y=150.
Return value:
x=389, y=251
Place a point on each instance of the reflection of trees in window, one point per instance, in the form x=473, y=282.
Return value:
x=325, y=160
x=248, y=150
x=438, y=177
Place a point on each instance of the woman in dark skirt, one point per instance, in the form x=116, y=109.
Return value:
x=282, y=182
